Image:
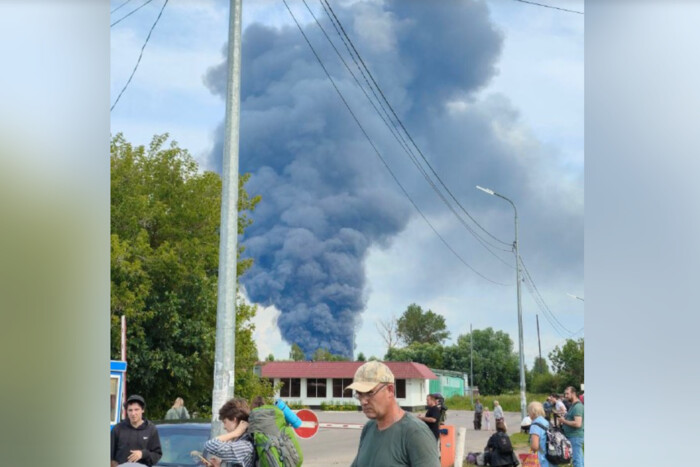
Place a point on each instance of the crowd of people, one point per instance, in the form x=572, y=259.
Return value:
x=390, y=437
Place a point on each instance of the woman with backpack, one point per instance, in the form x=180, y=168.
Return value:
x=499, y=450
x=538, y=435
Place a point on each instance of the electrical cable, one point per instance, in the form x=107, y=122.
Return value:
x=396, y=133
x=549, y=6
x=377, y=150
x=130, y=13
x=403, y=126
x=127, y=1
x=140, y=55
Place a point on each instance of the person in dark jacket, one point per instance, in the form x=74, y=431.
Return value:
x=135, y=439
x=493, y=455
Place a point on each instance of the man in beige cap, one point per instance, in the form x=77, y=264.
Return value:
x=390, y=438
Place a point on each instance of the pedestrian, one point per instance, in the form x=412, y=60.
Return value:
x=572, y=426
x=135, y=439
x=559, y=410
x=178, y=411
x=487, y=418
x=548, y=406
x=498, y=413
x=478, y=410
x=495, y=454
x=390, y=437
x=538, y=434
x=235, y=446
x=432, y=416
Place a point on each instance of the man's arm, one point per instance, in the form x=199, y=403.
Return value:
x=575, y=423
x=113, y=440
x=153, y=451
x=422, y=448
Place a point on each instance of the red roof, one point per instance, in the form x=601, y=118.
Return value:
x=401, y=370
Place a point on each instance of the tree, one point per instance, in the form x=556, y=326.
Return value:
x=324, y=355
x=270, y=358
x=296, y=353
x=361, y=357
x=567, y=362
x=496, y=367
x=431, y=355
x=165, y=217
x=388, y=330
x=417, y=326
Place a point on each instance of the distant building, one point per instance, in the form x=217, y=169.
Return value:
x=449, y=383
x=314, y=383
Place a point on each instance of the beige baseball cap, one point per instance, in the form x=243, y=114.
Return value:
x=369, y=375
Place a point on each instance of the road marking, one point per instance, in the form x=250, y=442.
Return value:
x=352, y=426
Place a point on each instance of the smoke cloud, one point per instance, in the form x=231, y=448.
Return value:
x=326, y=197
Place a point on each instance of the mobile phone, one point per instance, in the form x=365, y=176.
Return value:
x=204, y=461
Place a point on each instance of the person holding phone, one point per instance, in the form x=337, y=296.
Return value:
x=235, y=446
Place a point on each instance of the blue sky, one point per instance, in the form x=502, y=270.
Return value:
x=501, y=107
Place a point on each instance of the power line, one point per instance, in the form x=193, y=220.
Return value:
x=357, y=121
x=550, y=6
x=130, y=13
x=543, y=304
x=395, y=130
x=401, y=123
x=127, y=1
x=140, y=55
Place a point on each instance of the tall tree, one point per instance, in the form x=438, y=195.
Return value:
x=296, y=354
x=165, y=216
x=431, y=355
x=496, y=368
x=388, y=331
x=417, y=326
x=567, y=362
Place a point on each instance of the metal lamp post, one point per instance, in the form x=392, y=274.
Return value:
x=523, y=401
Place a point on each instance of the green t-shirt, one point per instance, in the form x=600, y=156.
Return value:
x=575, y=410
x=407, y=442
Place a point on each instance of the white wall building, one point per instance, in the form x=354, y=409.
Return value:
x=314, y=383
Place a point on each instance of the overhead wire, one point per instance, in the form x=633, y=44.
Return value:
x=400, y=122
x=395, y=130
x=127, y=1
x=550, y=6
x=130, y=13
x=542, y=304
x=381, y=158
x=133, y=72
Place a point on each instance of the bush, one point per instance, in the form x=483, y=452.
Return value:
x=339, y=406
x=296, y=405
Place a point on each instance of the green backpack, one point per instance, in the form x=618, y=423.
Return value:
x=275, y=442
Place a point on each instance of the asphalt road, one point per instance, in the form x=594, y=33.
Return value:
x=338, y=446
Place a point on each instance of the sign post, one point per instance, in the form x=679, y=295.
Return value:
x=309, y=424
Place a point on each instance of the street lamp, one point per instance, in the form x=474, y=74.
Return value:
x=523, y=402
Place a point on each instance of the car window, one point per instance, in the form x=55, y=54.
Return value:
x=178, y=442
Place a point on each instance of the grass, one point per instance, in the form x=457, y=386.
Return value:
x=509, y=402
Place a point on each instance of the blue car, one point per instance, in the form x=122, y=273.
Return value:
x=178, y=440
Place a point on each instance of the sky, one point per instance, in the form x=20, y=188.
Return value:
x=491, y=93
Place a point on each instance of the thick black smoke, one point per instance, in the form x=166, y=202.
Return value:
x=326, y=196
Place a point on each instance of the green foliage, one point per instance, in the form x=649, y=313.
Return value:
x=417, y=326
x=339, y=406
x=296, y=354
x=296, y=405
x=567, y=362
x=496, y=367
x=270, y=358
x=323, y=355
x=519, y=440
x=361, y=357
x=431, y=355
x=165, y=217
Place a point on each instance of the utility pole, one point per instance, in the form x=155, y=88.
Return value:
x=471, y=362
x=523, y=402
x=537, y=317
x=224, y=359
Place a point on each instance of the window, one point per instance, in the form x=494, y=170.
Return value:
x=400, y=388
x=338, y=387
x=113, y=397
x=291, y=387
x=316, y=387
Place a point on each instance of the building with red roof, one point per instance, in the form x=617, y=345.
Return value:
x=314, y=383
